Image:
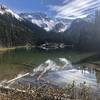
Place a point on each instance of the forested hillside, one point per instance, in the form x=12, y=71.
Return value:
x=85, y=35
x=17, y=31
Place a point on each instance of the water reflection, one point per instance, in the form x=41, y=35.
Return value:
x=59, y=72
x=12, y=63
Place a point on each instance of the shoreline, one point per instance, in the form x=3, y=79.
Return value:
x=4, y=49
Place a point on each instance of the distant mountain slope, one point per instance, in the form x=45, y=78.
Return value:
x=5, y=10
x=45, y=22
x=37, y=28
x=84, y=33
x=15, y=30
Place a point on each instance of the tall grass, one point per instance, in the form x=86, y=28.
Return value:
x=47, y=92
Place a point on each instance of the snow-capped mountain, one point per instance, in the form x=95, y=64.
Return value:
x=45, y=22
x=39, y=19
x=90, y=18
x=5, y=10
x=15, y=31
x=42, y=20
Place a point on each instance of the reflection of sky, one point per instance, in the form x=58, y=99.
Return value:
x=67, y=76
x=61, y=76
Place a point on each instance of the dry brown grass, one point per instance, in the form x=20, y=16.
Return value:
x=10, y=48
x=46, y=92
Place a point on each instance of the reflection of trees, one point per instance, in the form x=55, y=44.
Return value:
x=91, y=69
x=88, y=67
x=97, y=74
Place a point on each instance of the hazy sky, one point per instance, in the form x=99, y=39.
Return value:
x=58, y=8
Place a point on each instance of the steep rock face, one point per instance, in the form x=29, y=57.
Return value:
x=45, y=22
x=82, y=34
x=38, y=28
x=15, y=30
x=7, y=11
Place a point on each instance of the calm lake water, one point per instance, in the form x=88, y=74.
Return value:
x=21, y=61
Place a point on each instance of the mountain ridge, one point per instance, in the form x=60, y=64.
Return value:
x=46, y=22
x=83, y=34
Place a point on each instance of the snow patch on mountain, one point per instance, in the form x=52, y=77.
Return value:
x=63, y=29
x=90, y=18
x=5, y=10
x=47, y=25
x=45, y=22
x=14, y=14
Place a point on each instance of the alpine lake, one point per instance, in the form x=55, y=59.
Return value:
x=21, y=61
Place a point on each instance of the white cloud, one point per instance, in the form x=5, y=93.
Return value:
x=67, y=1
x=73, y=9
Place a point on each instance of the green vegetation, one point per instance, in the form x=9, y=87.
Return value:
x=83, y=35
x=17, y=33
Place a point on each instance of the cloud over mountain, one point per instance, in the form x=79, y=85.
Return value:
x=73, y=9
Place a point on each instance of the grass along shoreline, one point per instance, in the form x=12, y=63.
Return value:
x=11, y=48
x=47, y=92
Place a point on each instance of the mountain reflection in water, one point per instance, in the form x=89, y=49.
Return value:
x=59, y=72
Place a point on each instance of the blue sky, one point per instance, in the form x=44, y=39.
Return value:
x=70, y=9
x=31, y=5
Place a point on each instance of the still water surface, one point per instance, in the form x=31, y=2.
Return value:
x=21, y=61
